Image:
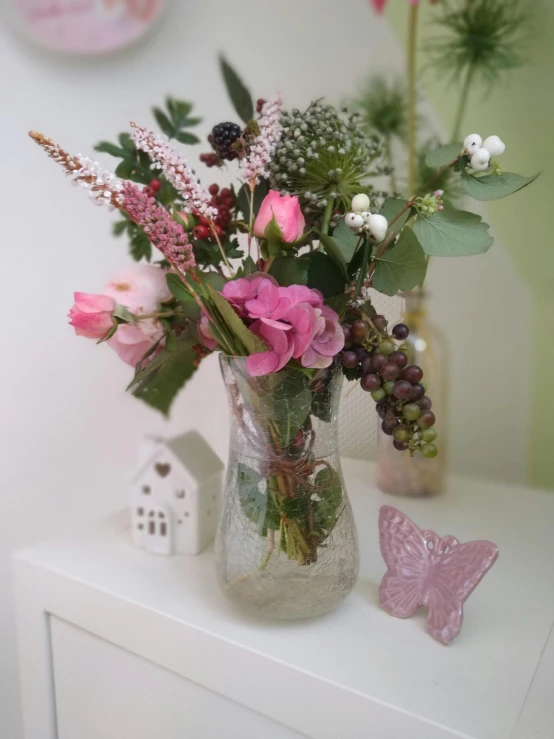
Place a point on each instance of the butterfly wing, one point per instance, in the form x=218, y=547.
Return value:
x=456, y=576
x=407, y=559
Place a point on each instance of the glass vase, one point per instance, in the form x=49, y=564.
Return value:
x=286, y=546
x=397, y=472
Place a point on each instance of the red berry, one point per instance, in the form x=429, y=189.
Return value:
x=148, y=191
x=213, y=189
x=259, y=105
x=225, y=194
x=203, y=221
x=201, y=232
x=219, y=230
x=155, y=185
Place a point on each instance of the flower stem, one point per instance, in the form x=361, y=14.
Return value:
x=212, y=226
x=327, y=216
x=462, y=104
x=412, y=37
x=388, y=156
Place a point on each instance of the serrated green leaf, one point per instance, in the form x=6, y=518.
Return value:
x=390, y=209
x=119, y=227
x=443, y=155
x=248, y=267
x=452, y=233
x=163, y=122
x=401, y=267
x=237, y=328
x=186, y=138
x=140, y=247
x=239, y=94
x=177, y=288
x=115, y=151
x=492, y=187
x=164, y=375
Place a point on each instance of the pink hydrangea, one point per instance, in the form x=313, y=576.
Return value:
x=237, y=292
x=327, y=340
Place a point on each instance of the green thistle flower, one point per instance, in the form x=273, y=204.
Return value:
x=322, y=157
x=382, y=107
x=484, y=36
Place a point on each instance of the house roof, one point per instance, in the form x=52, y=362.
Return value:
x=196, y=454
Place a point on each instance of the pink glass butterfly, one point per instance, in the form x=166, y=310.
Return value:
x=425, y=570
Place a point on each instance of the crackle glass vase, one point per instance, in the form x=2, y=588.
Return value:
x=286, y=546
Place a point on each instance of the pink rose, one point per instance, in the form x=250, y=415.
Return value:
x=92, y=315
x=286, y=211
x=130, y=343
x=140, y=288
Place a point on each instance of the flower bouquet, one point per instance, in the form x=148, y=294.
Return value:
x=277, y=273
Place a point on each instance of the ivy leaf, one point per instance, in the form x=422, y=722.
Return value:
x=492, y=187
x=338, y=303
x=452, y=233
x=390, y=208
x=161, y=379
x=323, y=274
x=290, y=271
x=237, y=91
x=249, y=341
x=140, y=247
x=333, y=249
x=443, y=155
x=346, y=239
x=400, y=267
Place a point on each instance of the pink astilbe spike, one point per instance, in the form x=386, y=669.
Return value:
x=165, y=233
x=255, y=166
x=105, y=188
x=176, y=169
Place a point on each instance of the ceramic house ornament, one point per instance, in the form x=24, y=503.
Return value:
x=424, y=569
x=176, y=495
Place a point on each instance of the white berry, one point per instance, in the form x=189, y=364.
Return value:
x=353, y=220
x=472, y=143
x=366, y=215
x=480, y=160
x=360, y=202
x=378, y=226
x=494, y=145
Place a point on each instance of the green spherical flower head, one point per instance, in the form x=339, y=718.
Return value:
x=322, y=157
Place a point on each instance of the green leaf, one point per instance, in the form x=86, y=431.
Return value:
x=289, y=404
x=494, y=186
x=161, y=379
x=452, y=233
x=186, y=138
x=366, y=253
x=125, y=169
x=333, y=249
x=290, y=271
x=390, y=208
x=338, y=303
x=237, y=91
x=272, y=231
x=177, y=288
x=323, y=274
x=248, y=267
x=106, y=148
x=124, y=313
x=443, y=155
x=346, y=239
x=401, y=267
x=126, y=141
x=259, y=507
x=119, y=227
x=249, y=341
x=214, y=279
x=329, y=491
x=243, y=198
x=140, y=247
x=163, y=122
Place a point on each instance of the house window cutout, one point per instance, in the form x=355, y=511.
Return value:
x=140, y=511
x=160, y=515
x=140, y=526
x=179, y=493
x=163, y=529
x=151, y=527
x=187, y=514
x=146, y=489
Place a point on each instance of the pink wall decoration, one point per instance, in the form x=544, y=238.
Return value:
x=86, y=26
x=424, y=569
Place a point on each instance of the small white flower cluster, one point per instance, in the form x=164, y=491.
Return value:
x=255, y=165
x=360, y=220
x=103, y=186
x=176, y=169
x=481, y=151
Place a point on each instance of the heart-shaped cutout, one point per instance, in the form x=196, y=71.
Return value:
x=162, y=468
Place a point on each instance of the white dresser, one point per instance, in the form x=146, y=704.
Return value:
x=119, y=644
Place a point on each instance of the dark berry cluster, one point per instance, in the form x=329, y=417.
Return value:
x=371, y=354
x=223, y=138
x=223, y=201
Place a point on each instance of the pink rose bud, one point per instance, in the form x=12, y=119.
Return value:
x=285, y=209
x=92, y=315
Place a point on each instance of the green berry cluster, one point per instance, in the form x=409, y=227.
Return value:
x=370, y=353
x=322, y=156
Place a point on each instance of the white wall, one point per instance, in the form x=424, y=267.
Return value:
x=68, y=431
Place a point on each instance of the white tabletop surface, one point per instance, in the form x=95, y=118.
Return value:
x=476, y=687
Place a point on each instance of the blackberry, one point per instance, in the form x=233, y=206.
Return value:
x=222, y=138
